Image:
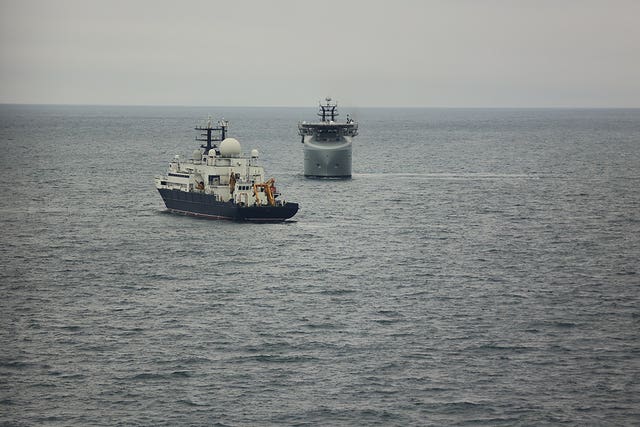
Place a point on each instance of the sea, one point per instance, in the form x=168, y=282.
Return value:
x=480, y=268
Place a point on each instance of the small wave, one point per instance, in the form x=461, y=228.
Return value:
x=449, y=176
x=386, y=321
x=464, y=405
x=564, y=325
x=19, y=365
x=72, y=328
x=148, y=376
x=626, y=273
x=339, y=416
x=504, y=348
x=73, y=377
x=198, y=360
x=337, y=291
x=45, y=385
x=321, y=326
x=191, y=403
x=277, y=358
x=388, y=312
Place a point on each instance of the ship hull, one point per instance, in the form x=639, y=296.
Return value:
x=205, y=206
x=327, y=159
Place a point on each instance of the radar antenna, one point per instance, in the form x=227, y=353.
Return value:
x=207, y=136
x=328, y=109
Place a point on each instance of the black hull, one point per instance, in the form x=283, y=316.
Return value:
x=205, y=206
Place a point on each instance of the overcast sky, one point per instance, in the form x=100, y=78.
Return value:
x=448, y=53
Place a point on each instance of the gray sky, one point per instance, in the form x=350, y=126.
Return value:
x=446, y=53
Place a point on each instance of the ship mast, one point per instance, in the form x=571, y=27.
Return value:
x=207, y=136
x=328, y=110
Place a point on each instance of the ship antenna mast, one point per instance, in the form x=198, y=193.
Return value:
x=209, y=129
x=328, y=110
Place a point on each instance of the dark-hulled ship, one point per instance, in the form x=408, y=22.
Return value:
x=219, y=182
x=327, y=144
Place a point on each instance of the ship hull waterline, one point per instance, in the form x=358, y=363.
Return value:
x=205, y=206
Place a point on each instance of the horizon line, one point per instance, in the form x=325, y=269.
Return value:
x=309, y=106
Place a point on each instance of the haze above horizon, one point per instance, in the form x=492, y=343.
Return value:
x=292, y=53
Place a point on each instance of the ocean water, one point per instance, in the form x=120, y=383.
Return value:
x=481, y=268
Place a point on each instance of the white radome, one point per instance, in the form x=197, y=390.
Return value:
x=230, y=147
x=254, y=153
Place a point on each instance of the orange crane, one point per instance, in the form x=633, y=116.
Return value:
x=269, y=188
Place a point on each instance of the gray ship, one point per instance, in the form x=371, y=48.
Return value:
x=327, y=144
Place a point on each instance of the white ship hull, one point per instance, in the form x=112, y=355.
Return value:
x=327, y=159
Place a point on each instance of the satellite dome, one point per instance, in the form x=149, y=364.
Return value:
x=254, y=153
x=230, y=147
x=197, y=155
